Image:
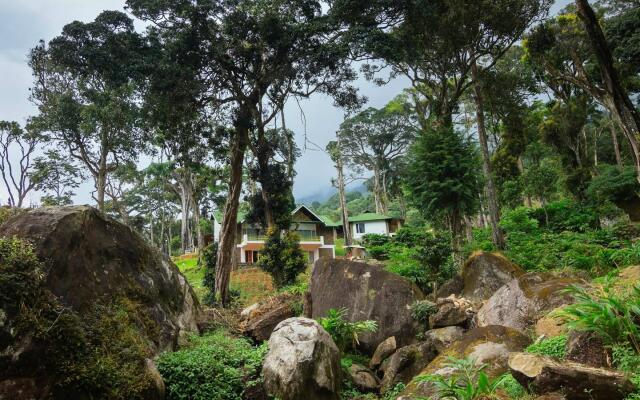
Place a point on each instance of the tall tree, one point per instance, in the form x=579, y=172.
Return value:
x=334, y=149
x=57, y=176
x=376, y=139
x=85, y=92
x=253, y=54
x=17, y=151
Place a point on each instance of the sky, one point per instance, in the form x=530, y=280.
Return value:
x=24, y=22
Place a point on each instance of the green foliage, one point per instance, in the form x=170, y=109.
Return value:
x=566, y=215
x=512, y=387
x=345, y=333
x=611, y=315
x=519, y=220
x=552, y=347
x=282, y=258
x=213, y=366
x=421, y=310
x=208, y=261
x=468, y=381
x=443, y=176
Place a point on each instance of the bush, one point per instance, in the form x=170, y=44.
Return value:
x=208, y=261
x=374, y=239
x=345, y=333
x=282, y=258
x=552, y=347
x=405, y=262
x=612, y=316
x=421, y=310
x=566, y=215
x=519, y=220
x=213, y=366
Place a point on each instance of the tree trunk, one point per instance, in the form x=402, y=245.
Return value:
x=227, y=243
x=492, y=196
x=185, y=201
x=101, y=179
x=343, y=199
x=377, y=191
x=616, y=145
x=623, y=109
x=196, y=221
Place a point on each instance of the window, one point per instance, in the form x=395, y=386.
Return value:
x=360, y=228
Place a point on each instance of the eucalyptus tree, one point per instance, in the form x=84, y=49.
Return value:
x=334, y=149
x=252, y=56
x=376, y=139
x=86, y=93
x=17, y=152
x=416, y=40
x=57, y=176
x=571, y=53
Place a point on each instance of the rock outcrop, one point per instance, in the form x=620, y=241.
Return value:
x=522, y=301
x=363, y=378
x=368, y=292
x=579, y=382
x=383, y=351
x=442, y=338
x=259, y=320
x=302, y=362
x=452, y=311
x=407, y=362
x=489, y=345
x=484, y=273
x=95, y=271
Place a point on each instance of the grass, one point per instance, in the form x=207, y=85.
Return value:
x=340, y=251
x=252, y=283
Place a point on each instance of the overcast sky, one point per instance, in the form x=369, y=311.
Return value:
x=24, y=22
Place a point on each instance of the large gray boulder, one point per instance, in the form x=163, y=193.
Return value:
x=368, y=292
x=302, y=362
x=523, y=301
x=452, y=311
x=93, y=269
x=484, y=273
x=578, y=381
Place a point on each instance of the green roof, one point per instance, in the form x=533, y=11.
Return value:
x=329, y=222
x=369, y=217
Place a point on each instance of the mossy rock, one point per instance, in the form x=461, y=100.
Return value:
x=489, y=345
x=95, y=303
x=484, y=273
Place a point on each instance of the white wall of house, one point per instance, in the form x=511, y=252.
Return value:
x=217, y=227
x=378, y=227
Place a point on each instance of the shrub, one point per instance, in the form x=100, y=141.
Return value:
x=213, y=366
x=345, y=333
x=567, y=215
x=551, y=347
x=519, y=220
x=421, y=310
x=405, y=262
x=282, y=258
x=208, y=261
x=374, y=239
x=468, y=381
x=612, y=316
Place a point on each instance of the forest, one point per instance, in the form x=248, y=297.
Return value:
x=511, y=161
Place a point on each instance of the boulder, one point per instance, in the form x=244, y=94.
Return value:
x=552, y=324
x=368, y=292
x=452, y=311
x=521, y=302
x=579, y=382
x=587, y=348
x=407, y=362
x=488, y=345
x=258, y=320
x=97, y=273
x=383, y=351
x=454, y=286
x=363, y=379
x=484, y=273
x=302, y=362
x=442, y=338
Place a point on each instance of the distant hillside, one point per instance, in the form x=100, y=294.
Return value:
x=323, y=194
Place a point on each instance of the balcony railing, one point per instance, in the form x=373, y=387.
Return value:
x=304, y=237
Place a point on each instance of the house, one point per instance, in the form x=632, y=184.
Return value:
x=316, y=237
x=367, y=223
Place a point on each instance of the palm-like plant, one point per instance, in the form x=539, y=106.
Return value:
x=343, y=332
x=612, y=316
x=468, y=381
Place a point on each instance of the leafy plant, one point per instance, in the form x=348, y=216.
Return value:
x=552, y=347
x=214, y=366
x=345, y=333
x=208, y=260
x=421, y=310
x=282, y=258
x=612, y=316
x=468, y=381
